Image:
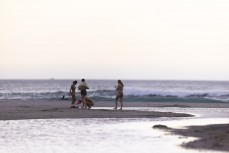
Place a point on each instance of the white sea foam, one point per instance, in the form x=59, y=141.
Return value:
x=104, y=90
x=136, y=91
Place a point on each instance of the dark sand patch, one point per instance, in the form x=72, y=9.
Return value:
x=210, y=137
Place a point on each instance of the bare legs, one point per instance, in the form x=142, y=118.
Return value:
x=116, y=102
x=73, y=100
x=121, y=103
x=83, y=101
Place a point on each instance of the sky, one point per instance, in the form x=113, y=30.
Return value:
x=114, y=39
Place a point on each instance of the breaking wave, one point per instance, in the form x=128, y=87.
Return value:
x=130, y=94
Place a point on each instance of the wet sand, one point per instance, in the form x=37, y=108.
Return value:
x=210, y=137
x=17, y=110
x=45, y=109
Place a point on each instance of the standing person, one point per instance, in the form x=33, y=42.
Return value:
x=119, y=95
x=83, y=91
x=73, y=93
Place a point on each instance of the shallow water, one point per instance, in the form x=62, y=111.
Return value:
x=100, y=135
x=197, y=112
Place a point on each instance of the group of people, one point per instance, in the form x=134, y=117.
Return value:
x=86, y=102
x=83, y=92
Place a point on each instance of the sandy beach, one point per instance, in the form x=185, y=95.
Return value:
x=43, y=109
x=17, y=110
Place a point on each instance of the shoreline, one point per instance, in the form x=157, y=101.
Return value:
x=61, y=102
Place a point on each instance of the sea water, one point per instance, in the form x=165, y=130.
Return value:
x=103, y=135
x=134, y=90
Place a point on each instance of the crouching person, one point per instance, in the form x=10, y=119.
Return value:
x=89, y=102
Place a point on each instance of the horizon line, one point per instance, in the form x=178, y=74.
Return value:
x=115, y=79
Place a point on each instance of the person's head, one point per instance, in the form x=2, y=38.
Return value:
x=83, y=80
x=74, y=82
x=120, y=82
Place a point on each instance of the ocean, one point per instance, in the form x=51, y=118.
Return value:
x=134, y=90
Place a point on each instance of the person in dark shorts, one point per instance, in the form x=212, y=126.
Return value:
x=83, y=91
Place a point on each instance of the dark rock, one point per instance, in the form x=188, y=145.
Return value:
x=159, y=126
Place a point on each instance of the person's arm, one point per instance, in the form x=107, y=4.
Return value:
x=69, y=92
x=86, y=86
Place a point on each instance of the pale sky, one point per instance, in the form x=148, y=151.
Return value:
x=114, y=39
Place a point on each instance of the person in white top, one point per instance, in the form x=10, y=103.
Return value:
x=83, y=91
